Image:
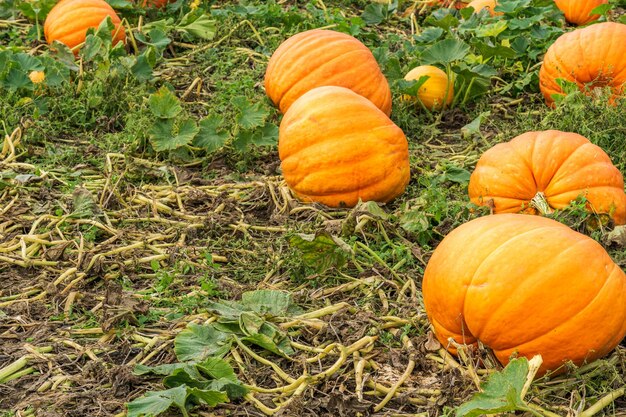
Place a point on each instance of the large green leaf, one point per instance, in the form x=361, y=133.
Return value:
x=164, y=104
x=446, y=51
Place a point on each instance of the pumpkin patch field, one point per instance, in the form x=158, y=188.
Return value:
x=312, y=208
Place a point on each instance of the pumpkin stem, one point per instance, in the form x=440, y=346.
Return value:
x=540, y=203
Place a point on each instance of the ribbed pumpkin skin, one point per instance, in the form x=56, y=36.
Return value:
x=318, y=58
x=436, y=91
x=595, y=54
x=526, y=284
x=561, y=165
x=578, y=12
x=336, y=147
x=69, y=20
x=478, y=5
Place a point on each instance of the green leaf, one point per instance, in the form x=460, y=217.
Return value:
x=374, y=13
x=473, y=127
x=218, y=368
x=445, y=52
x=203, y=27
x=164, y=104
x=197, y=342
x=249, y=115
x=267, y=343
x=165, y=369
x=141, y=69
x=319, y=251
x=411, y=87
x=265, y=136
x=154, y=403
x=456, y=174
x=165, y=136
x=208, y=397
x=501, y=393
x=601, y=9
x=209, y=137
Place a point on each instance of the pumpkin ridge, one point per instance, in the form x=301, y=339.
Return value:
x=370, y=154
x=554, y=175
x=526, y=162
x=305, y=43
x=331, y=138
x=471, y=281
x=565, y=322
x=332, y=61
x=520, y=283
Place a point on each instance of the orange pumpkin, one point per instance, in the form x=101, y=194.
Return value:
x=526, y=285
x=594, y=56
x=69, y=20
x=490, y=5
x=437, y=91
x=154, y=3
x=541, y=171
x=337, y=147
x=578, y=12
x=318, y=58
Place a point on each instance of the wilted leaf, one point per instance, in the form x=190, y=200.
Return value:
x=275, y=303
x=197, y=342
x=154, y=403
x=319, y=251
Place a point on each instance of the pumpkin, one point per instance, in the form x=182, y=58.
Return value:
x=578, y=12
x=490, y=5
x=318, y=58
x=542, y=171
x=69, y=20
x=437, y=91
x=154, y=3
x=337, y=148
x=526, y=285
x=595, y=55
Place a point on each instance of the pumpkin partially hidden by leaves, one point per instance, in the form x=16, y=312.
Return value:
x=592, y=57
x=154, y=3
x=318, y=58
x=538, y=172
x=337, y=147
x=437, y=91
x=526, y=285
x=69, y=20
x=490, y=5
x=578, y=12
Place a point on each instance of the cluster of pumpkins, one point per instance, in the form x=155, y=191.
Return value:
x=518, y=284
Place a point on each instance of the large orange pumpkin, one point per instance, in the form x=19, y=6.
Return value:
x=578, y=12
x=337, y=147
x=69, y=20
x=594, y=56
x=526, y=285
x=318, y=58
x=549, y=169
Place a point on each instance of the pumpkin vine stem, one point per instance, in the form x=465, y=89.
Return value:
x=540, y=203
